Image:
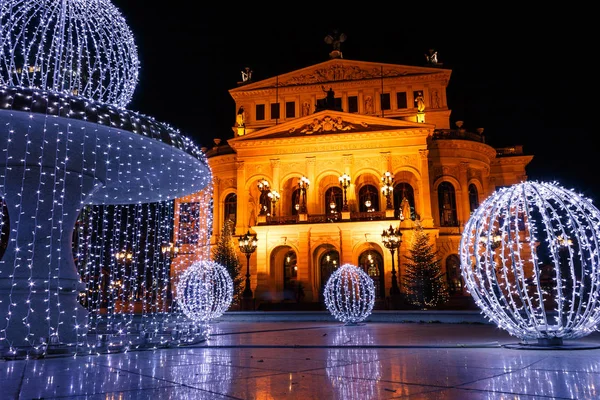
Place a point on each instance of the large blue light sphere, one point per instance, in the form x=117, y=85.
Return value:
x=530, y=259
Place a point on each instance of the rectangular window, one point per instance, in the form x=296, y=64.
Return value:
x=290, y=109
x=401, y=100
x=353, y=104
x=260, y=112
x=385, y=101
x=275, y=111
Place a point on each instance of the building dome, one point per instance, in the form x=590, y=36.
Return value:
x=77, y=47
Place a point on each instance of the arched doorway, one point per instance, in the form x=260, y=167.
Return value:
x=329, y=262
x=290, y=276
x=453, y=275
x=372, y=263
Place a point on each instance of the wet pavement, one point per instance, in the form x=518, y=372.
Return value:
x=322, y=360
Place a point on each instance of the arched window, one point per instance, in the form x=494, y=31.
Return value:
x=290, y=275
x=230, y=208
x=328, y=263
x=447, y=204
x=296, y=201
x=404, y=190
x=473, y=198
x=453, y=276
x=372, y=263
x=333, y=197
x=368, y=199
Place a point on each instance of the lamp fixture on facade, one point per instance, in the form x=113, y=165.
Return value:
x=263, y=187
x=274, y=196
x=345, y=182
x=388, y=187
x=332, y=203
x=303, y=184
x=169, y=249
x=392, y=238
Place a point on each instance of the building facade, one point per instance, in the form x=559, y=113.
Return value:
x=323, y=159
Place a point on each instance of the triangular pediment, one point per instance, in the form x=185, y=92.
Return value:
x=330, y=122
x=340, y=70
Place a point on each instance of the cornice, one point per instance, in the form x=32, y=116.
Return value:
x=448, y=144
x=339, y=85
x=298, y=146
x=512, y=160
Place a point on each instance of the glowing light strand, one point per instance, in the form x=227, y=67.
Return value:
x=79, y=47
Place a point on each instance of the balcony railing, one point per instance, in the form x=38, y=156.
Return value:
x=325, y=218
x=441, y=134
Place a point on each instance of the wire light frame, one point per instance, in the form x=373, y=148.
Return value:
x=88, y=185
x=205, y=291
x=82, y=48
x=529, y=257
x=349, y=294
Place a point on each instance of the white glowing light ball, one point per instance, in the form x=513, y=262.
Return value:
x=529, y=257
x=78, y=47
x=204, y=291
x=349, y=294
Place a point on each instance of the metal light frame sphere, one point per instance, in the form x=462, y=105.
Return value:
x=349, y=294
x=77, y=47
x=204, y=291
x=530, y=258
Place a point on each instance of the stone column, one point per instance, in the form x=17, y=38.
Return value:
x=312, y=193
x=242, y=200
x=463, y=179
x=425, y=190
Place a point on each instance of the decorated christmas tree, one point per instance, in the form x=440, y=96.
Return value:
x=424, y=280
x=224, y=254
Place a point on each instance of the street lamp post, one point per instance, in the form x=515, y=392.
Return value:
x=388, y=186
x=392, y=238
x=303, y=184
x=263, y=187
x=247, y=244
x=345, y=182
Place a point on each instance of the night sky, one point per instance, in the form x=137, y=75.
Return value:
x=191, y=58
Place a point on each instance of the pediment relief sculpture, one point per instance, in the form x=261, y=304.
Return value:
x=327, y=124
x=339, y=72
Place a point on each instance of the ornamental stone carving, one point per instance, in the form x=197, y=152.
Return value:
x=406, y=160
x=339, y=72
x=327, y=124
x=290, y=167
x=438, y=172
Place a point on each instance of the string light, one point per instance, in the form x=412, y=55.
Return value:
x=205, y=291
x=349, y=294
x=82, y=48
x=529, y=257
x=75, y=162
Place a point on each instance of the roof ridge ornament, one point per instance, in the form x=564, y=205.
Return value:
x=335, y=39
